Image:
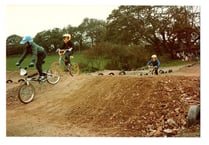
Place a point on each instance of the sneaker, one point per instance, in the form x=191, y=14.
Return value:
x=42, y=78
x=68, y=65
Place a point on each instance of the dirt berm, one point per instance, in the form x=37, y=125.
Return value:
x=123, y=106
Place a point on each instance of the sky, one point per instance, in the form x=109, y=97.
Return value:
x=31, y=19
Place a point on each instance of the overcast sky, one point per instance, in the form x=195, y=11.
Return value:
x=31, y=19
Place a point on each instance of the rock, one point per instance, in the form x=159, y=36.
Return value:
x=177, y=110
x=151, y=113
x=171, y=122
x=158, y=132
x=183, y=122
x=170, y=132
x=150, y=127
x=152, y=133
x=193, y=115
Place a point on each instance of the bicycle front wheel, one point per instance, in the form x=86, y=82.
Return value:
x=26, y=93
x=56, y=68
x=53, y=77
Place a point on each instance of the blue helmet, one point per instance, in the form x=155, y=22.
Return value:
x=26, y=39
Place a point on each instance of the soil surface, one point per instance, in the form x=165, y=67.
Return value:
x=89, y=105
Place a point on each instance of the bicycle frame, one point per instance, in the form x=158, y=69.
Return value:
x=61, y=55
x=27, y=91
x=28, y=78
x=60, y=66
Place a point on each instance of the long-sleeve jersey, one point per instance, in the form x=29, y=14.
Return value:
x=33, y=49
x=154, y=63
x=68, y=45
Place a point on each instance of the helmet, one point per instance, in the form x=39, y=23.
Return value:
x=154, y=56
x=67, y=35
x=26, y=39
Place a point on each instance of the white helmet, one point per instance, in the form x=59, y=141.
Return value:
x=67, y=35
x=154, y=56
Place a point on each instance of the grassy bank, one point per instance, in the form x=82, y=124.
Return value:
x=86, y=65
x=79, y=58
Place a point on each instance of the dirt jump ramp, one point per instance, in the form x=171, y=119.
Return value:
x=106, y=106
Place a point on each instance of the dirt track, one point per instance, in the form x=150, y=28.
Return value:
x=88, y=105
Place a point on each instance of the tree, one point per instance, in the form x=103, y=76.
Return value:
x=13, y=45
x=164, y=28
x=50, y=39
x=93, y=30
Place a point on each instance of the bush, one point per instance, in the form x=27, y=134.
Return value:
x=86, y=68
x=127, y=57
x=121, y=57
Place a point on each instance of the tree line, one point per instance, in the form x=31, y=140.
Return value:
x=146, y=29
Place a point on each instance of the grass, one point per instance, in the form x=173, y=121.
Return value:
x=84, y=63
x=167, y=62
x=170, y=63
x=78, y=58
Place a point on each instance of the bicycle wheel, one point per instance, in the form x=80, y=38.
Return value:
x=52, y=78
x=26, y=93
x=74, y=69
x=56, y=68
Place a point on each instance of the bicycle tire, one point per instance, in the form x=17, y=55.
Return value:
x=26, y=93
x=74, y=69
x=9, y=81
x=52, y=78
x=122, y=72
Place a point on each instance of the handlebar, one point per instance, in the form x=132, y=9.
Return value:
x=23, y=72
x=62, y=51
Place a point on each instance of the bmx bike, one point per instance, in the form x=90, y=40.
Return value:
x=26, y=92
x=59, y=67
x=153, y=70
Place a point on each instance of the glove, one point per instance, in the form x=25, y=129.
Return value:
x=17, y=64
x=70, y=49
x=57, y=50
x=31, y=64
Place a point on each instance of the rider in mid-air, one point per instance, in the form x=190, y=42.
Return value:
x=38, y=55
x=154, y=61
x=68, y=46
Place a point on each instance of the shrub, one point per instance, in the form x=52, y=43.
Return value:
x=120, y=57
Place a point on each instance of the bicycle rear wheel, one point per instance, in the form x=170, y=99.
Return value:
x=74, y=69
x=53, y=77
x=26, y=93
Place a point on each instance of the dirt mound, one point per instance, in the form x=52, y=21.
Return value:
x=88, y=105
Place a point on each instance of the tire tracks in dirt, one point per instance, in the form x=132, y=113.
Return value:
x=88, y=105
